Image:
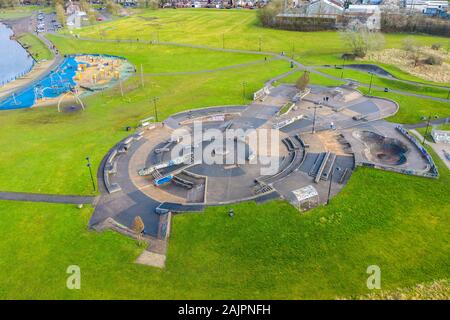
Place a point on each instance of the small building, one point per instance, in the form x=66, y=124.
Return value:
x=305, y=198
x=365, y=15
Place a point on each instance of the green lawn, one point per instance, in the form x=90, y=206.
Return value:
x=35, y=47
x=265, y=251
x=50, y=154
x=364, y=77
x=21, y=12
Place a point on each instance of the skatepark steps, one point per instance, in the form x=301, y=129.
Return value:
x=328, y=167
x=321, y=167
x=316, y=165
x=262, y=188
x=302, y=143
x=182, y=182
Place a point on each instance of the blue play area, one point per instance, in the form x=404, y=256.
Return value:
x=55, y=83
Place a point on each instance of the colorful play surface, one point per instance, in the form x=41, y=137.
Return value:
x=79, y=73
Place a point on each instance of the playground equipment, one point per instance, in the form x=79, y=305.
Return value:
x=77, y=98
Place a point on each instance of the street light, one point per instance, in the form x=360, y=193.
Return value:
x=343, y=65
x=155, y=99
x=244, y=84
x=316, y=105
x=90, y=171
x=331, y=179
x=260, y=43
x=428, y=124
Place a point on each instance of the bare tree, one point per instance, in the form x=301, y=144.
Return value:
x=361, y=40
x=138, y=228
x=60, y=13
x=302, y=81
x=412, y=48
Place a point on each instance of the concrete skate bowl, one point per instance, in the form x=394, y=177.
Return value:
x=384, y=150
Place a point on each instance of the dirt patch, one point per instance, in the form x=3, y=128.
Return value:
x=330, y=141
x=400, y=58
x=152, y=259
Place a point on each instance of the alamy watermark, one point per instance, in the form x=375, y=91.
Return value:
x=374, y=280
x=73, y=282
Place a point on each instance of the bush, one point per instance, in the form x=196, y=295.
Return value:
x=433, y=61
x=436, y=46
x=348, y=56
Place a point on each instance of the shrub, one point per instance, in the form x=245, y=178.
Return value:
x=436, y=46
x=433, y=60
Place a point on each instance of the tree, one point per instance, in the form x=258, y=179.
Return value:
x=302, y=81
x=268, y=13
x=60, y=13
x=138, y=228
x=112, y=7
x=361, y=40
x=412, y=49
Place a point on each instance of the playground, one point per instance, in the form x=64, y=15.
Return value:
x=76, y=77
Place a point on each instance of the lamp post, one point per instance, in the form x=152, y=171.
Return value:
x=343, y=65
x=89, y=165
x=331, y=179
x=428, y=124
x=316, y=105
x=260, y=43
x=370, y=85
x=155, y=99
x=223, y=40
x=244, y=84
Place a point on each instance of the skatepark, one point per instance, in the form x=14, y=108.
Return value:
x=315, y=147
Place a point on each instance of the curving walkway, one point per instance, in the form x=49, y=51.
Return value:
x=297, y=64
x=49, y=198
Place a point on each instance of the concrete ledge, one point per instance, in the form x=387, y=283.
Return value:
x=152, y=259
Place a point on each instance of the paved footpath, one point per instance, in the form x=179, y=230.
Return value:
x=282, y=56
x=439, y=148
x=49, y=198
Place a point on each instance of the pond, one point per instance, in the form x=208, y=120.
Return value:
x=15, y=60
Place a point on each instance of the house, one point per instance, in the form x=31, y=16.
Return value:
x=325, y=7
x=365, y=15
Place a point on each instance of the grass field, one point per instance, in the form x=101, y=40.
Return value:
x=398, y=222
x=364, y=77
x=57, y=169
x=21, y=12
x=265, y=251
x=237, y=29
x=35, y=47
